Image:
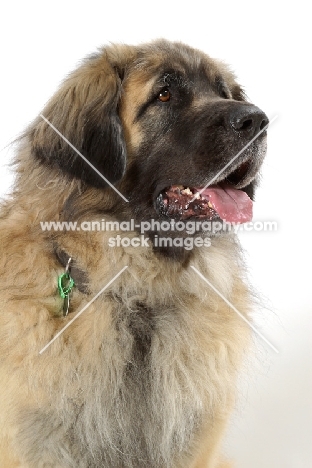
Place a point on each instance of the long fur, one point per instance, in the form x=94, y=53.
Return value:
x=145, y=377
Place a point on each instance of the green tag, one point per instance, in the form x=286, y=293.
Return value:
x=65, y=284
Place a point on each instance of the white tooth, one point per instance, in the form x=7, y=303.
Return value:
x=210, y=205
x=187, y=191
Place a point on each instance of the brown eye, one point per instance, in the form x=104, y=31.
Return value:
x=164, y=95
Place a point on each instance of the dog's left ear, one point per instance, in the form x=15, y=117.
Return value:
x=82, y=117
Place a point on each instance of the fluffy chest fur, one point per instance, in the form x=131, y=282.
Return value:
x=140, y=372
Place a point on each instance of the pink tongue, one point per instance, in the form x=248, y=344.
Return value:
x=232, y=205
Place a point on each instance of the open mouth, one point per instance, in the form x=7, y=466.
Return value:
x=216, y=202
x=221, y=201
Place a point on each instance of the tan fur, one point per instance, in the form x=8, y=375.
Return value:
x=77, y=386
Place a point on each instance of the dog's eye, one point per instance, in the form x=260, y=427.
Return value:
x=164, y=95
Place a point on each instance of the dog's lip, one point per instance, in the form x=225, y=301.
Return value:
x=239, y=177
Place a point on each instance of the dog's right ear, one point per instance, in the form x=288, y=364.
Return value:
x=82, y=117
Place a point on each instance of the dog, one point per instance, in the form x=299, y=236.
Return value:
x=119, y=347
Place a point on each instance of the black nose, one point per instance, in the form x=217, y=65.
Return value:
x=247, y=119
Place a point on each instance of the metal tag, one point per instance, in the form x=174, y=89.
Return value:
x=66, y=306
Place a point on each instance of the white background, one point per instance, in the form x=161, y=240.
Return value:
x=268, y=45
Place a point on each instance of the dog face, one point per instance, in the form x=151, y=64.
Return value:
x=162, y=121
x=191, y=121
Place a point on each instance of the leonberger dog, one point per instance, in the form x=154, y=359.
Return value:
x=157, y=133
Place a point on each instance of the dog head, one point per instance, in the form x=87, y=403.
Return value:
x=165, y=123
